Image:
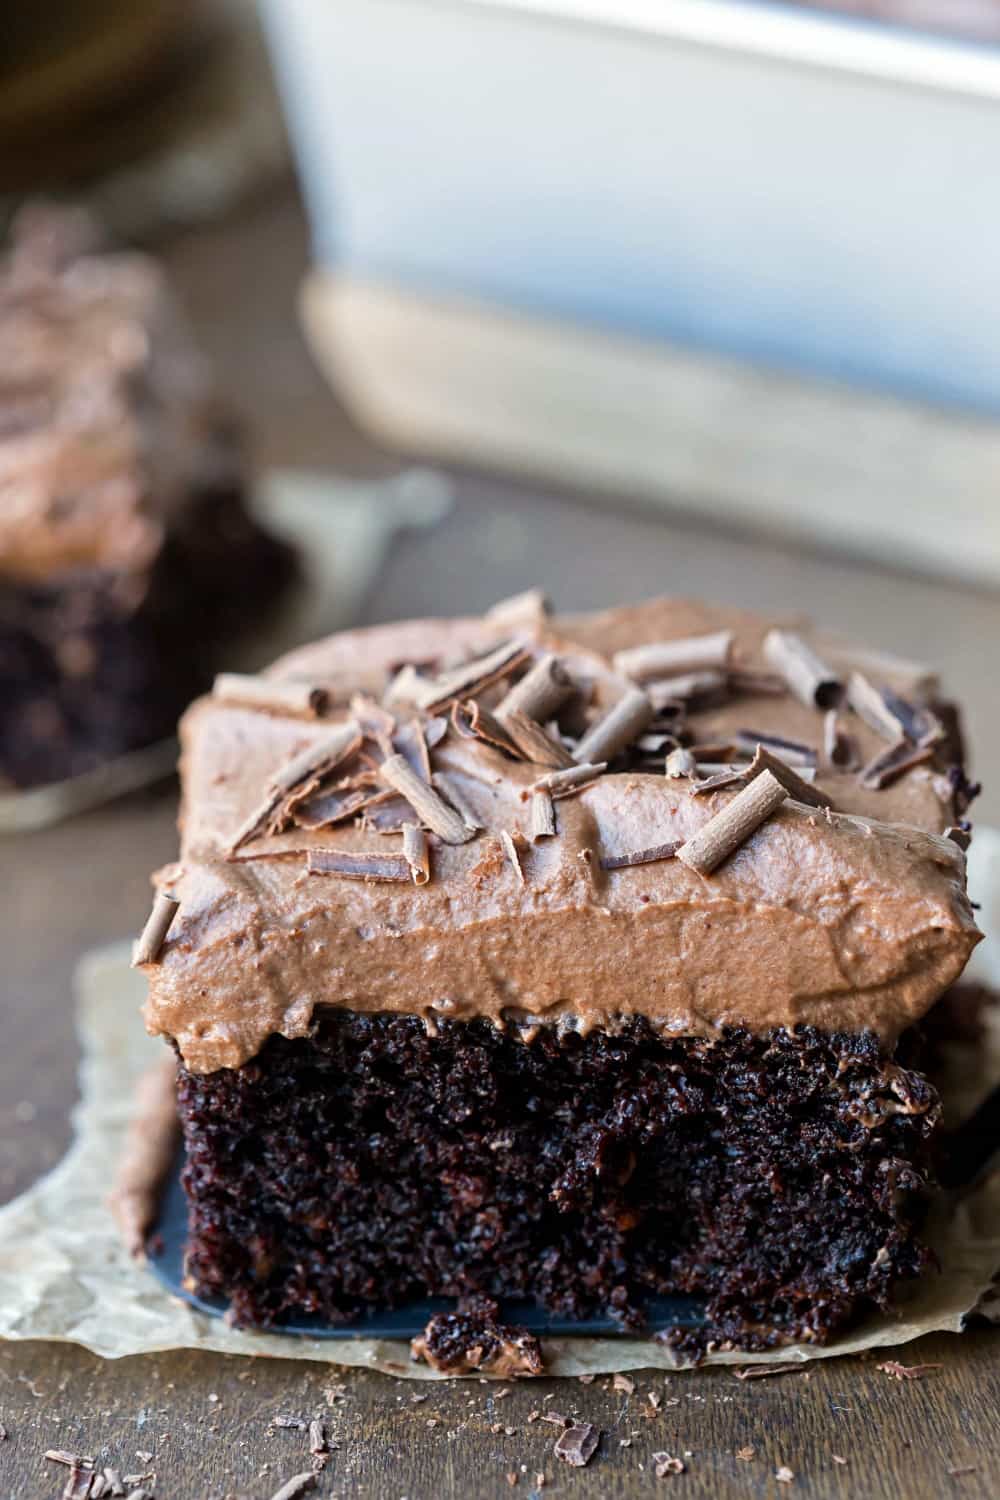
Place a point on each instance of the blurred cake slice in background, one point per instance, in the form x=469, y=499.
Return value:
x=127, y=554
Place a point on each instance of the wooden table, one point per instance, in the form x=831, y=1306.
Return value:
x=206, y=1419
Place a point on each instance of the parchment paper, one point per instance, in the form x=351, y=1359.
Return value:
x=341, y=529
x=64, y=1273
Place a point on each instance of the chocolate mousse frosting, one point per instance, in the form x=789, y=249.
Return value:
x=361, y=829
x=108, y=416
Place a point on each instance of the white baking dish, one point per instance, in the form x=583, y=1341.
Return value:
x=809, y=190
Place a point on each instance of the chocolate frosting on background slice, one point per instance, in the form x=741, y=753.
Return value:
x=847, y=919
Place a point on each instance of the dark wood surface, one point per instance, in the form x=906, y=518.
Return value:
x=73, y=887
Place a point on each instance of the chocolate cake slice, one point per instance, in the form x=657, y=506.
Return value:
x=128, y=558
x=580, y=959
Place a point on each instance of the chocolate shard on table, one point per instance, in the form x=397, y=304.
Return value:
x=129, y=561
x=585, y=1034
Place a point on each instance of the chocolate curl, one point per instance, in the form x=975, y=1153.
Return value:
x=534, y=743
x=307, y=700
x=809, y=677
x=790, y=751
x=530, y=610
x=472, y=676
x=354, y=865
x=448, y=788
x=695, y=653
x=416, y=853
x=540, y=693
x=839, y=750
x=543, y=814
x=918, y=723
x=511, y=850
x=432, y=811
x=870, y=706
x=311, y=765
x=640, y=856
x=573, y=779
x=405, y=688
x=681, y=762
x=723, y=834
x=150, y=941
x=474, y=722
x=889, y=765
x=796, y=786
x=724, y=777
x=617, y=729
x=692, y=689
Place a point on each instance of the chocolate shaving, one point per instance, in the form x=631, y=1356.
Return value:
x=808, y=676
x=377, y=723
x=728, y=776
x=657, y=744
x=432, y=811
x=693, y=690
x=543, y=814
x=150, y=941
x=406, y=687
x=733, y=824
x=840, y=751
x=303, y=699
x=889, y=765
x=531, y=608
x=71, y=1460
x=576, y=1445
x=896, y=1371
x=794, y=784
x=323, y=809
x=387, y=812
x=296, y=1486
x=541, y=692
x=917, y=723
x=471, y=677
x=446, y=785
x=762, y=1372
x=869, y=704
x=534, y=742
x=317, y=1438
x=695, y=653
x=960, y=836
x=416, y=853
x=573, y=779
x=513, y=854
x=640, y=856
x=613, y=733
x=665, y=1463
x=79, y=1485
x=681, y=763
x=792, y=752
x=474, y=722
x=358, y=866
x=411, y=744
x=302, y=775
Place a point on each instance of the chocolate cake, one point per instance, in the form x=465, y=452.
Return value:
x=127, y=556
x=580, y=960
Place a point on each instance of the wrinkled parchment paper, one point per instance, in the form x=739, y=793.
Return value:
x=341, y=529
x=64, y=1273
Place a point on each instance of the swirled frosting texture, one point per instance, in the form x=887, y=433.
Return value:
x=844, y=920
